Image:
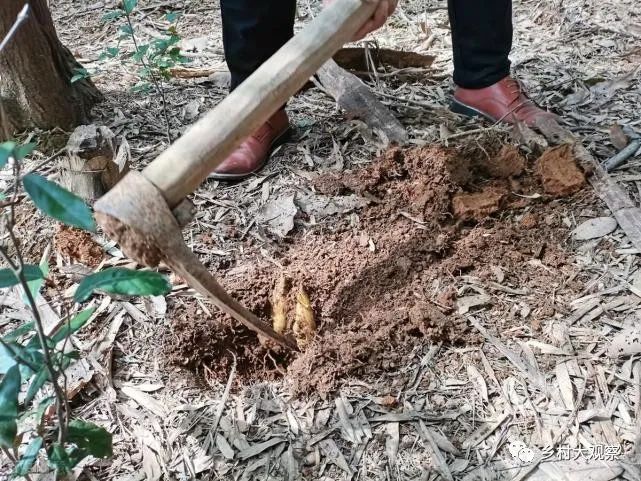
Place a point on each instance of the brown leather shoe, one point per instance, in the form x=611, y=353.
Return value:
x=253, y=153
x=504, y=101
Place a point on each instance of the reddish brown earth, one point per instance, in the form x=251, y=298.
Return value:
x=478, y=205
x=78, y=246
x=559, y=173
x=387, y=284
x=509, y=162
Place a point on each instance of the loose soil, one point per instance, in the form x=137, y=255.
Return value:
x=383, y=283
x=78, y=246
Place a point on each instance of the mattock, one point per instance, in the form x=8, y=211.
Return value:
x=137, y=212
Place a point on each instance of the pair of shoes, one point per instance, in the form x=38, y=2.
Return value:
x=504, y=101
x=253, y=153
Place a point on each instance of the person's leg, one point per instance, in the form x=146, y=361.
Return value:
x=253, y=30
x=481, y=41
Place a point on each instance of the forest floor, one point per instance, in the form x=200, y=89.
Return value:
x=474, y=299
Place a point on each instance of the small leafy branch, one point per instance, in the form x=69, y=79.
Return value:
x=33, y=362
x=156, y=58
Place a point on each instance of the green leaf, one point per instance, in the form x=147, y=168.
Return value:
x=43, y=406
x=38, y=381
x=114, y=14
x=141, y=87
x=78, y=77
x=58, y=203
x=18, y=333
x=36, y=284
x=129, y=5
x=164, y=63
x=8, y=278
x=118, y=280
x=37, y=412
x=111, y=52
x=75, y=324
x=9, y=390
x=89, y=437
x=141, y=52
x=22, y=151
x=61, y=459
x=34, y=357
x=28, y=458
x=6, y=151
x=127, y=30
x=171, y=17
x=144, y=72
x=6, y=358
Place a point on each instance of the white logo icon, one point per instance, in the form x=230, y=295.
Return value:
x=520, y=451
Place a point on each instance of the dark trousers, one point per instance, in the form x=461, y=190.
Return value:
x=253, y=30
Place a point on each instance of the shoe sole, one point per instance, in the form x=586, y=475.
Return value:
x=459, y=107
x=278, y=141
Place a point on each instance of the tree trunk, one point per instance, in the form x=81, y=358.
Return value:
x=35, y=74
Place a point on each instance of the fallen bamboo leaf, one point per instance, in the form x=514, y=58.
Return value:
x=626, y=343
x=224, y=447
x=304, y=322
x=440, y=463
x=477, y=381
x=565, y=385
x=464, y=304
x=256, y=449
x=392, y=441
x=278, y=215
x=484, y=431
x=595, y=228
x=145, y=400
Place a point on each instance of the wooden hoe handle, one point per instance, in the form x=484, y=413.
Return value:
x=186, y=164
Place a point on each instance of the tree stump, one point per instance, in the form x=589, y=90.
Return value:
x=95, y=161
x=35, y=84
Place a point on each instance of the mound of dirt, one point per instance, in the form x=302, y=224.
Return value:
x=385, y=285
